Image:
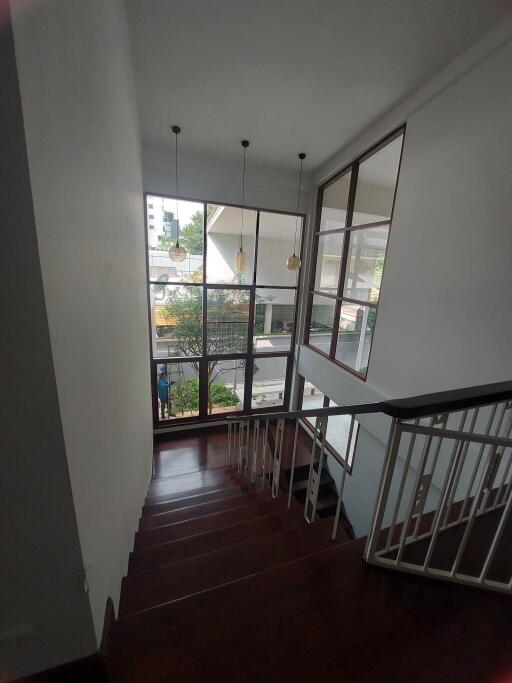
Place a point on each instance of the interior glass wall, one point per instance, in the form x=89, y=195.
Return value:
x=350, y=246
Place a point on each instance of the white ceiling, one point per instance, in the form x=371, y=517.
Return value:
x=290, y=75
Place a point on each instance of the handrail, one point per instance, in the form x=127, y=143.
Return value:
x=403, y=408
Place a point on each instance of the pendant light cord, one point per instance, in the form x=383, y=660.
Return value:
x=177, y=189
x=301, y=157
x=243, y=198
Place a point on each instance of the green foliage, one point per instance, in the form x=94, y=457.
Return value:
x=191, y=235
x=165, y=243
x=185, y=396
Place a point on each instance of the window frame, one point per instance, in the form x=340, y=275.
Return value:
x=353, y=169
x=202, y=360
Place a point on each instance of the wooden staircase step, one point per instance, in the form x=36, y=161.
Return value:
x=196, y=499
x=348, y=621
x=188, y=482
x=193, y=511
x=153, y=499
x=147, y=558
x=149, y=589
x=302, y=484
x=216, y=520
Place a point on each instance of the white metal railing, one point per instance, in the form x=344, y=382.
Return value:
x=445, y=497
x=445, y=493
x=258, y=451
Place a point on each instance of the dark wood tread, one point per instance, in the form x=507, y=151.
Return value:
x=215, y=520
x=186, y=482
x=146, y=558
x=204, y=572
x=168, y=496
x=196, y=499
x=193, y=511
x=348, y=621
x=302, y=484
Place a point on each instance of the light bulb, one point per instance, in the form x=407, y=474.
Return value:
x=293, y=262
x=177, y=252
x=240, y=260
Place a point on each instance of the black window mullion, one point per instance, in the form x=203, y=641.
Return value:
x=203, y=365
x=344, y=257
x=249, y=365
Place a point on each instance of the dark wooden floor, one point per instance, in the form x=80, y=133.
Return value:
x=218, y=592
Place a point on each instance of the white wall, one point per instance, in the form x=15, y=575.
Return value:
x=443, y=316
x=45, y=616
x=220, y=180
x=84, y=156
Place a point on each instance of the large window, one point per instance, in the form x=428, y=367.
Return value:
x=356, y=208
x=221, y=339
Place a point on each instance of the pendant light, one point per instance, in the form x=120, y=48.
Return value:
x=177, y=252
x=293, y=261
x=240, y=256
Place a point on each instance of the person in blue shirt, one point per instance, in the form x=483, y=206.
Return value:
x=163, y=393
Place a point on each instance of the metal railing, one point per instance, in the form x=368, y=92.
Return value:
x=256, y=448
x=445, y=493
x=444, y=498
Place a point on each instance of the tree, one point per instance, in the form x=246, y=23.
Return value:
x=227, y=325
x=191, y=235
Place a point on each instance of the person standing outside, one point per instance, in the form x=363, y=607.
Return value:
x=163, y=393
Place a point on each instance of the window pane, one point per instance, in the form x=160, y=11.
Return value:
x=162, y=234
x=276, y=242
x=223, y=241
x=268, y=382
x=328, y=262
x=176, y=320
x=227, y=321
x=177, y=390
x=226, y=385
x=376, y=183
x=366, y=255
x=334, y=204
x=273, y=320
x=355, y=336
x=321, y=325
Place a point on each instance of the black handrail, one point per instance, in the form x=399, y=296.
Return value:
x=405, y=408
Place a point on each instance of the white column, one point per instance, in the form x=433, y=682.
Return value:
x=267, y=325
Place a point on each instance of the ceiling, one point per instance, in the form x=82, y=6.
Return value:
x=290, y=75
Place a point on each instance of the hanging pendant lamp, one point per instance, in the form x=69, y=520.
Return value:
x=240, y=256
x=293, y=262
x=177, y=252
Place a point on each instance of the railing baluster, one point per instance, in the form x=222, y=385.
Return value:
x=496, y=540
x=400, y=493
x=344, y=467
x=255, y=444
x=410, y=509
x=315, y=476
x=230, y=429
x=477, y=464
x=264, y=454
x=471, y=520
x=292, y=470
x=442, y=421
x=457, y=451
x=386, y=477
x=460, y=467
x=276, y=463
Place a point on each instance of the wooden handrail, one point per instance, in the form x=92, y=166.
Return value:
x=404, y=408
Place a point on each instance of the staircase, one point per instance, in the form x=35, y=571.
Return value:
x=228, y=582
